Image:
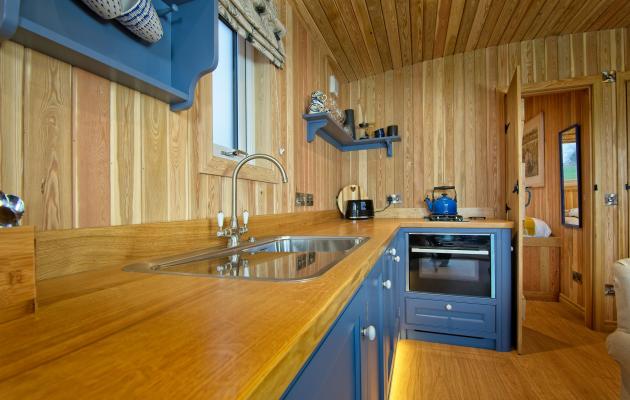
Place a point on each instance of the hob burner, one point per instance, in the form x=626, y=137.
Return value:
x=442, y=218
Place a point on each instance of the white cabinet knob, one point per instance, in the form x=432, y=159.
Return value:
x=220, y=217
x=397, y=258
x=448, y=307
x=391, y=251
x=387, y=284
x=369, y=332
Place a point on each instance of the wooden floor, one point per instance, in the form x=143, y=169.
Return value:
x=562, y=360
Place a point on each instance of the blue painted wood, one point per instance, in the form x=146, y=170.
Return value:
x=328, y=129
x=334, y=370
x=389, y=316
x=373, y=364
x=451, y=339
x=71, y=32
x=9, y=17
x=429, y=320
x=467, y=319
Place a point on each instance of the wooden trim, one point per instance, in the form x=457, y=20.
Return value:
x=17, y=272
x=539, y=296
x=70, y=251
x=589, y=278
x=552, y=241
x=575, y=308
x=560, y=85
x=209, y=164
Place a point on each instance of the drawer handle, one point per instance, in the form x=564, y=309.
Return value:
x=387, y=284
x=448, y=307
x=369, y=332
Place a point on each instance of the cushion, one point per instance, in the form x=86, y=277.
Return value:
x=534, y=227
x=621, y=272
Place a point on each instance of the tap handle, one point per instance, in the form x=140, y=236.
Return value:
x=245, y=217
x=220, y=217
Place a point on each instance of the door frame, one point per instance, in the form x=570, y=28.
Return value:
x=568, y=85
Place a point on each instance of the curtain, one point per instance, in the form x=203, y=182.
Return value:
x=257, y=21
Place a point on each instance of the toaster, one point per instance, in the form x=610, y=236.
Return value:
x=359, y=209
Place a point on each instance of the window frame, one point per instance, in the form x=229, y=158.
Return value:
x=211, y=162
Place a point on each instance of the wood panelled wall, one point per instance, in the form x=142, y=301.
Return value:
x=449, y=112
x=561, y=110
x=84, y=151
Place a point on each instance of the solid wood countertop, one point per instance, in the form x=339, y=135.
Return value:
x=162, y=336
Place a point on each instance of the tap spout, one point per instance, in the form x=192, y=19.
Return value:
x=285, y=179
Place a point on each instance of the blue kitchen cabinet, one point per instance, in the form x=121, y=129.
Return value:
x=456, y=290
x=334, y=370
x=350, y=361
x=167, y=70
x=372, y=373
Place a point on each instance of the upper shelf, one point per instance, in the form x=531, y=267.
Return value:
x=323, y=125
x=168, y=70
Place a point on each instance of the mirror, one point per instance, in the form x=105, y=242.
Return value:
x=571, y=193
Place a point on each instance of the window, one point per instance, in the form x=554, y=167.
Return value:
x=233, y=94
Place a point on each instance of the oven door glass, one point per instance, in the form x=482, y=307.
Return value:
x=451, y=264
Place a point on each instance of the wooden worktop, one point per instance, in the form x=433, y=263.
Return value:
x=132, y=335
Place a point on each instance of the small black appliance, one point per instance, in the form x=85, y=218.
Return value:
x=359, y=209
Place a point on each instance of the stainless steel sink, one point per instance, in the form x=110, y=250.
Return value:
x=280, y=258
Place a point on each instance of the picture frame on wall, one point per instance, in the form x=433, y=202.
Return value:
x=534, y=151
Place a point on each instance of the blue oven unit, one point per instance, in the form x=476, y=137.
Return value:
x=458, y=287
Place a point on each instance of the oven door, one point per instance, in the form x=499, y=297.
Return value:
x=453, y=264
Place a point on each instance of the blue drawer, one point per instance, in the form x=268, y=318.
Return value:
x=451, y=317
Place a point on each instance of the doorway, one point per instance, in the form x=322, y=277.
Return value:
x=558, y=241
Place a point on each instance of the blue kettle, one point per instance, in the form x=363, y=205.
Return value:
x=443, y=205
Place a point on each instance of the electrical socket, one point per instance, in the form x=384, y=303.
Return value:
x=303, y=199
x=394, y=198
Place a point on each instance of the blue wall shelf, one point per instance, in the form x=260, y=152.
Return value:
x=323, y=125
x=167, y=70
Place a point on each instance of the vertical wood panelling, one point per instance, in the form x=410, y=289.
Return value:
x=125, y=156
x=90, y=149
x=47, y=142
x=153, y=122
x=11, y=90
x=455, y=108
x=561, y=110
x=474, y=128
x=107, y=154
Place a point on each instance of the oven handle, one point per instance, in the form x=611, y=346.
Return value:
x=447, y=251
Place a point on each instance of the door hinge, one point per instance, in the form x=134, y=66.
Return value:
x=507, y=208
x=507, y=126
x=515, y=189
x=595, y=188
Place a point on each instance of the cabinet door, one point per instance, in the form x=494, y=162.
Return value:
x=334, y=370
x=399, y=272
x=372, y=364
x=389, y=317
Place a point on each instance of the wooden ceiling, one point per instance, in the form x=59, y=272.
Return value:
x=370, y=36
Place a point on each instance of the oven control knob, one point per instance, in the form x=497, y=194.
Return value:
x=387, y=284
x=448, y=307
x=369, y=332
x=397, y=258
x=391, y=251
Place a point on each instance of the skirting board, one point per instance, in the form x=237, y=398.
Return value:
x=540, y=296
x=575, y=308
